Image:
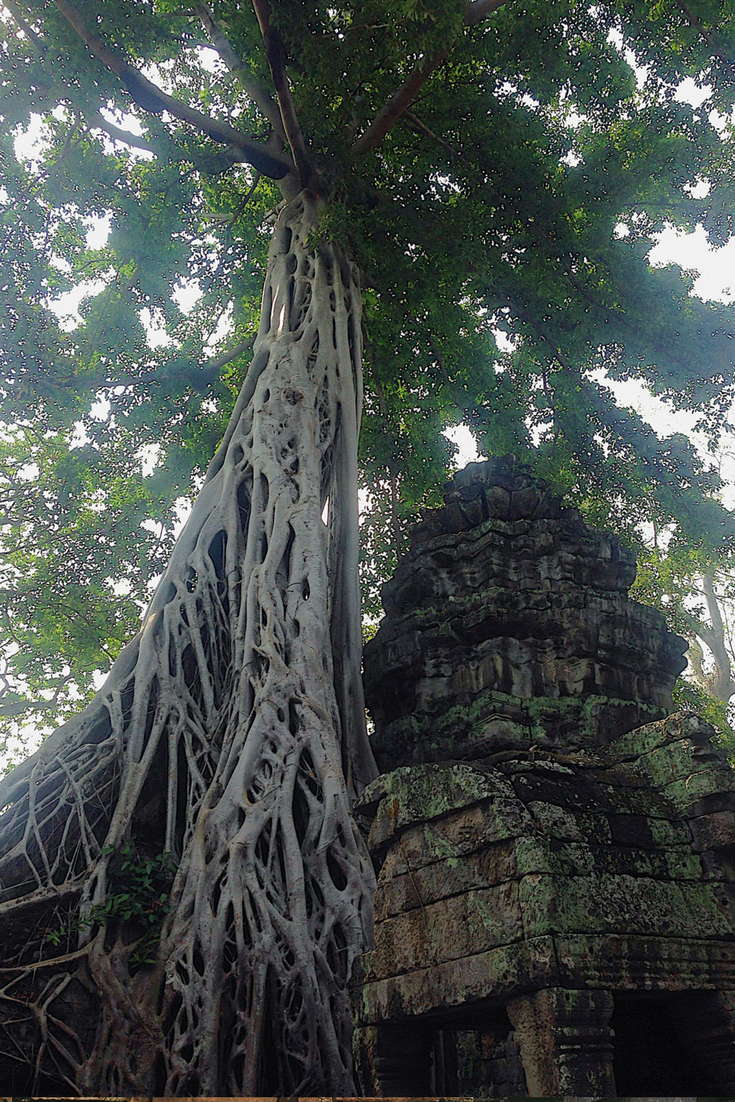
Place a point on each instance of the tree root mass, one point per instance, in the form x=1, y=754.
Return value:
x=230, y=734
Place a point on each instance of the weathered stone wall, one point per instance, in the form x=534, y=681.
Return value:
x=556, y=852
x=508, y=624
x=606, y=871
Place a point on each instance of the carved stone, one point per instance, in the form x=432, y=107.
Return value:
x=508, y=624
x=556, y=910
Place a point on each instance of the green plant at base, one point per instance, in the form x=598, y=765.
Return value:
x=140, y=891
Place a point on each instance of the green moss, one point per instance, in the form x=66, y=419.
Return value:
x=526, y=720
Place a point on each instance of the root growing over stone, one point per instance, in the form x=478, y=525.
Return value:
x=230, y=734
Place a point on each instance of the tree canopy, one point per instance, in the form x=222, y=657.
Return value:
x=497, y=168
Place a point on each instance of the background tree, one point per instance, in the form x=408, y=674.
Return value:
x=695, y=590
x=428, y=175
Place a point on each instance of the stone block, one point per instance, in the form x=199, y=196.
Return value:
x=422, y=793
x=629, y=962
x=556, y=822
x=623, y=905
x=498, y=502
x=545, y=595
x=650, y=736
x=470, y=829
x=445, y=930
x=570, y=858
x=641, y=799
x=690, y=794
x=715, y=831
x=543, y=855
x=523, y=503
x=458, y=984
x=678, y=759
x=565, y=1041
x=402, y=888
x=630, y=830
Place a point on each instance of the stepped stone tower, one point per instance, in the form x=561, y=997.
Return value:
x=556, y=898
x=508, y=624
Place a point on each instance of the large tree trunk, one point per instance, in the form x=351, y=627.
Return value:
x=230, y=734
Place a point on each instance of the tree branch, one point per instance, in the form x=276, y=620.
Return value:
x=230, y=219
x=274, y=55
x=417, y=124
x=398, y=104
x=253, y=89
x=706, y=35
x=696, y=658
x=477, y=10
x=206, y=374
x=24, y=26
x=99, y=122
x=151, y=98
x=20, y=707
x=210, y=370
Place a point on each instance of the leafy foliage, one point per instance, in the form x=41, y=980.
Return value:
x=514, y=198
x=139, y=896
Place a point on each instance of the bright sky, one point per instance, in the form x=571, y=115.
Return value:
x=715, y=281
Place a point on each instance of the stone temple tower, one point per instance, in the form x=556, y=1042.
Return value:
x=556, y=898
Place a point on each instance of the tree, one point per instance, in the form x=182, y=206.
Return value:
x=694, y=589
x=185, y=892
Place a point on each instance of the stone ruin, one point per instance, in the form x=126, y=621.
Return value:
x=555, y=911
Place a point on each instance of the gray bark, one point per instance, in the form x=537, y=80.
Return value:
x=720, y=682
x=230, y=734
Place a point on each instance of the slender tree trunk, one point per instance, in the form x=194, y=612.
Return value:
x=230, y=734
x=722, y=684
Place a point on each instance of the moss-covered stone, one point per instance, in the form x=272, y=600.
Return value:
x=409, y=796
x=549, y=827
x=621, y=904
x=504, y=630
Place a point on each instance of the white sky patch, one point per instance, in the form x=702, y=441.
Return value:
x=30, y=140
x=182, y=507
x=149, y=455
x=716, y=267
x=698, y=190
x=667, y=421
x=209, y=59
x=100, y=409
x=222, y=328
x=123, y=119
x=99, y=678
x=186, y=294
x=155, y=331
x=506, y=342
x=60, y=263
x=98, y=230
x=80, y=436
x=691, y=92
x=66, y=306
x=120, y=588
x=465, y=441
